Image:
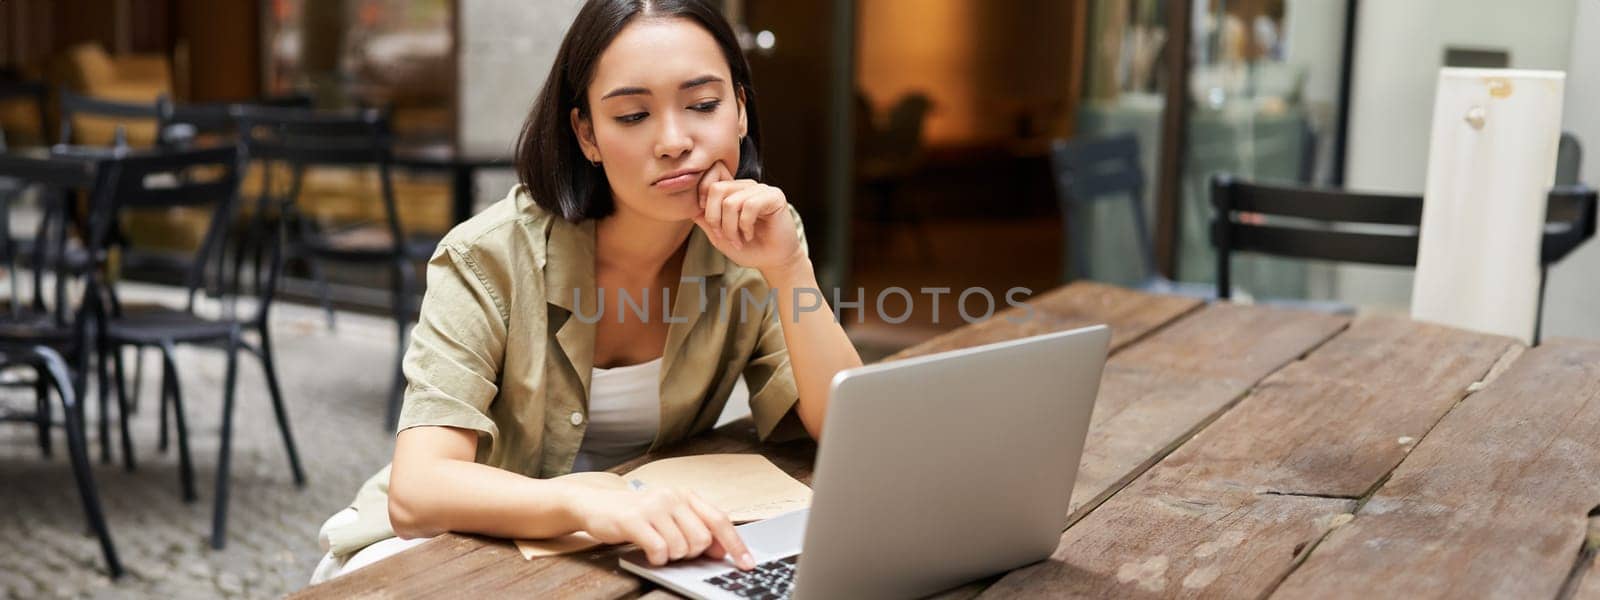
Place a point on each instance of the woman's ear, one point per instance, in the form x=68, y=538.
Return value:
x=583, y=129
x=739, y=91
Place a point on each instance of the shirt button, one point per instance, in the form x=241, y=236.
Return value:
x=577, y=418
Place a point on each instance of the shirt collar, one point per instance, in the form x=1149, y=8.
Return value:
x=569, y=265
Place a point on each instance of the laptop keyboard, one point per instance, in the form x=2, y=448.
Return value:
x=768, y=581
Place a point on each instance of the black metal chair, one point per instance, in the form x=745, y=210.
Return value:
x=123, y=113
x=1375, y=229
x=192, y=178
x=54, y=323
x=188, y=126
x=54, y=342
x=28, y=323
x=304, y=139
x=53, y=373
x=1094, y=170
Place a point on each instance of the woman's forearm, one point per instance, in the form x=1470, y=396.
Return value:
x=818, y=346
x=434, y=487
x=431, y=494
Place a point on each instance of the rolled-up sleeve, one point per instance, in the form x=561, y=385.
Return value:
x=772, y=390
x=457, y=348
x=773, y=393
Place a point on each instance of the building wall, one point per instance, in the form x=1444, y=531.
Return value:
x=1572, y=295
x=506, y=50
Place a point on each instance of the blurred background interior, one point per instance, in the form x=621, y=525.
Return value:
x=910, y=133
x=926, y=143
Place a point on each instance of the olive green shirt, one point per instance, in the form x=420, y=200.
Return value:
x=505, y=344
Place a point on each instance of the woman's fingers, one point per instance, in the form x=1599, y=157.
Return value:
x=694, y=530
x=728, y=223
x=760, y=204
x=727, y=538
x=712, y=206
x=736, y=208
x=715, y=550
x=724, y=204
x=718, y=172
x=715, y=209
x=677, y=548
x=645, y=536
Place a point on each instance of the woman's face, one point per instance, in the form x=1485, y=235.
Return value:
x=662, y=110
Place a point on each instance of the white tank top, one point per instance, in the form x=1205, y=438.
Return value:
x=624, y=415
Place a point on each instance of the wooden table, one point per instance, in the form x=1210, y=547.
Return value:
x=1239, y=452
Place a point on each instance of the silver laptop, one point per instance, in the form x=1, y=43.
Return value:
x=933, y=471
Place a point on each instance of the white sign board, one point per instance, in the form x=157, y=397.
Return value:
x=1491, y=162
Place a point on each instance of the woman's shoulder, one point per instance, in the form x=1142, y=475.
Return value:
x=514, y=224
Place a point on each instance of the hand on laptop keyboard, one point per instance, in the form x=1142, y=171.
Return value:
x=668, y=524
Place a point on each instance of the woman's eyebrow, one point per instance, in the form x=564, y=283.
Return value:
x=640, y=91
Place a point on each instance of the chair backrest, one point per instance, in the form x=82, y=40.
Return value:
x=75, y=105
x=58, y=182
x=1251, y=217
x=1569, y=221
x=1093, y=170
x=301, y=138
x=309, y=137
x=206, y=179
x=1569, y=160
x=181, y=124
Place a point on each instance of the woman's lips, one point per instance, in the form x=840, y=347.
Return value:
x=679, y=183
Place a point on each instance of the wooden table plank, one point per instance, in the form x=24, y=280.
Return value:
x=1226, y=514
x=1494, y=502
x=1131, y=314
x=453, y=563
x=457, y=560
x=1156, y=393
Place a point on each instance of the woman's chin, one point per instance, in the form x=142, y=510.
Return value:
x=672, y=214
x=679, y=207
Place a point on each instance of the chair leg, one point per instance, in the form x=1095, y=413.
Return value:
x=166, y=403
x=271, y=371
x=400, y=288
x=41, y=392
x=219, y=514
x=173, y=390
x=104, y=391
x=122, y=407
x=77, y=448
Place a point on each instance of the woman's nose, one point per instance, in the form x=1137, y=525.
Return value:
x=672, y=141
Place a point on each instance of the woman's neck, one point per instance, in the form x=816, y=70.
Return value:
x=636, y=245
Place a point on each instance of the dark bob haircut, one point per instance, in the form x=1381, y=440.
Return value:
x=549, y=160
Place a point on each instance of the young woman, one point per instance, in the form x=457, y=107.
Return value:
x=606, y=306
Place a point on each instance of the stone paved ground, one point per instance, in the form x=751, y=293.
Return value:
x=335, y=383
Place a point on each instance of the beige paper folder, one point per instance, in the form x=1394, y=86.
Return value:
x=1491, y=163
x=746, y=486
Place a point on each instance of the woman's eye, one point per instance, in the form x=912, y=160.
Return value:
x=707, y=106
x=633, y=118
